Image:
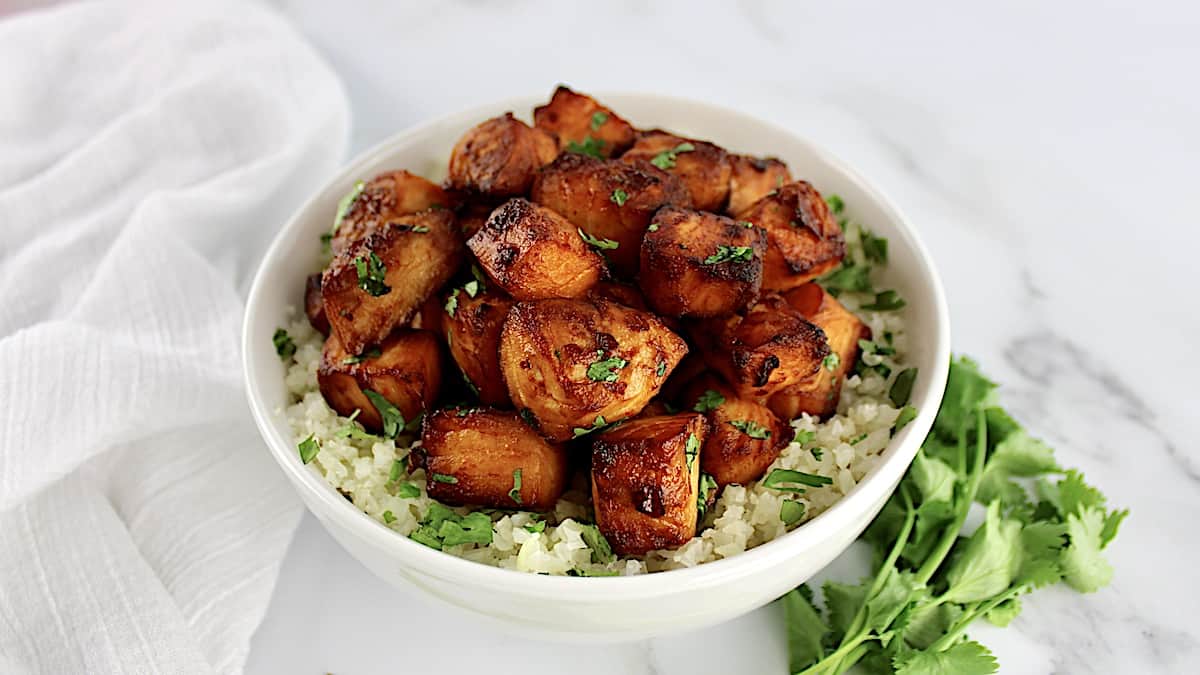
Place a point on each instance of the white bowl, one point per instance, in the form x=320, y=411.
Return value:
x=600, y=608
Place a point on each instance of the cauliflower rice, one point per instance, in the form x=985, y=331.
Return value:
x=845, y=448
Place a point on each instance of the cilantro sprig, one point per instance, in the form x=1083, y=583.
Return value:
x=372, y=274
x=930, y=581
x=666, y=159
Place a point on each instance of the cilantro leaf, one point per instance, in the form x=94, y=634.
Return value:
x=989, y=562
x=875, y=249
x=372, y=353
x=393, y=420
x=605, y=370
x=934, y=478
x=602, y=244
x=601, y=551
x=751, y=429
x=666, y=159
x=737, y=254
x=848, y=278
x=592, y=147
x=345, y=204
x=371, y=274
x=791, y=511
x=964, y=658
x=308, y=448
x=408, y=491
x=619, y=197
x=515, y=493
x=709, y=400
x=1084, y=569
x=708, y=486
x=902, y=386
x=691, y=450
x=598, y=119
x=475, y=528
x=805, y=630
x=285, y=347
x=1021, y=455
x=907, y=415
x=779, y=479
x=836, y=205
x=597, y=425
x=886, y=301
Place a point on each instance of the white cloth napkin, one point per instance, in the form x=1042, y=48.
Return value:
x=148, y=153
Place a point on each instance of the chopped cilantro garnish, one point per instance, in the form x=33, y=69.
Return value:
x=602, y=244
x=536, y=526
x=475, y=528
x=619, y=197
x=751, y=428
x=592, y=147
x=784, y=480
x=875, y=249
x=471, y=288
x=601, y=551
x=791, y=511
x=653, y=227
x=372, y=353
x=397, y=470
x=707, y=485
x=389, y=517
x=452, y=302
x=515, y=493
x=848, y=278
x=285, y=347
x=308, y=449
x=859, y=439
x=444, y=478
x=817, y=453
x=605, y=370
x=741, y=254
x=393, y=420
x=709, y=400
x=691, y=450
x=597, y=425
x=886, y=301
x=408, y=491
x=660, y=369
x=902, y=387
x=832, y=362
x=598, y=119
x=907, y=414
x=835, y=204
x=419, y=229
x=371, y=275
x=592, y=573
x=803, y=436
x=666, y=159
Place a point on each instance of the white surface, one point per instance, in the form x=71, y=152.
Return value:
x=591, y=610
x=1047, y=151
x=146, y=153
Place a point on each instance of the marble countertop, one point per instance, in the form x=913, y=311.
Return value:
x=1048, y=153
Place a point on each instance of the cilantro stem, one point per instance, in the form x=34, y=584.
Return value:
x=887, y=567
x=832, y=663
x=975, y=611
x=950, y=533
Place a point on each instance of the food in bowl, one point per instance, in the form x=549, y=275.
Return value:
x=666, y=353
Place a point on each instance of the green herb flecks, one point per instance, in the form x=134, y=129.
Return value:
x=393, y=420
x=592, y=147
x=751, y=429
x=660, y=369
x=787, y=480
x=619, y=197
x=836, y=205
x=601, y=551
x=875, y=249
x=444, y=478
x=886, y=301
x=691, y=450
x=389, y=517
x=605, y=369
x=515, y=493
x=708, y=401
x=791, y=511
x=597, y=425
x=736, y=254
x=344, y=206
x=285, y=347
x=832, y=362
x=902, y=387
x=408, y=491
x=536, y=526
x=471, y=288
x=666, y=159
x=308, y=448
x=442, y=527
x=930, y=581
x=598, y=119
x=602, y=244
x=708, y=487
x=371, y=274
x=452, y=303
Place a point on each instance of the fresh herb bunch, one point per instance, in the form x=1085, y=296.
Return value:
x=930, y=580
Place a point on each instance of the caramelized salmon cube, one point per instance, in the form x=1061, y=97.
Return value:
x=645, y=481
x=405, y=370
